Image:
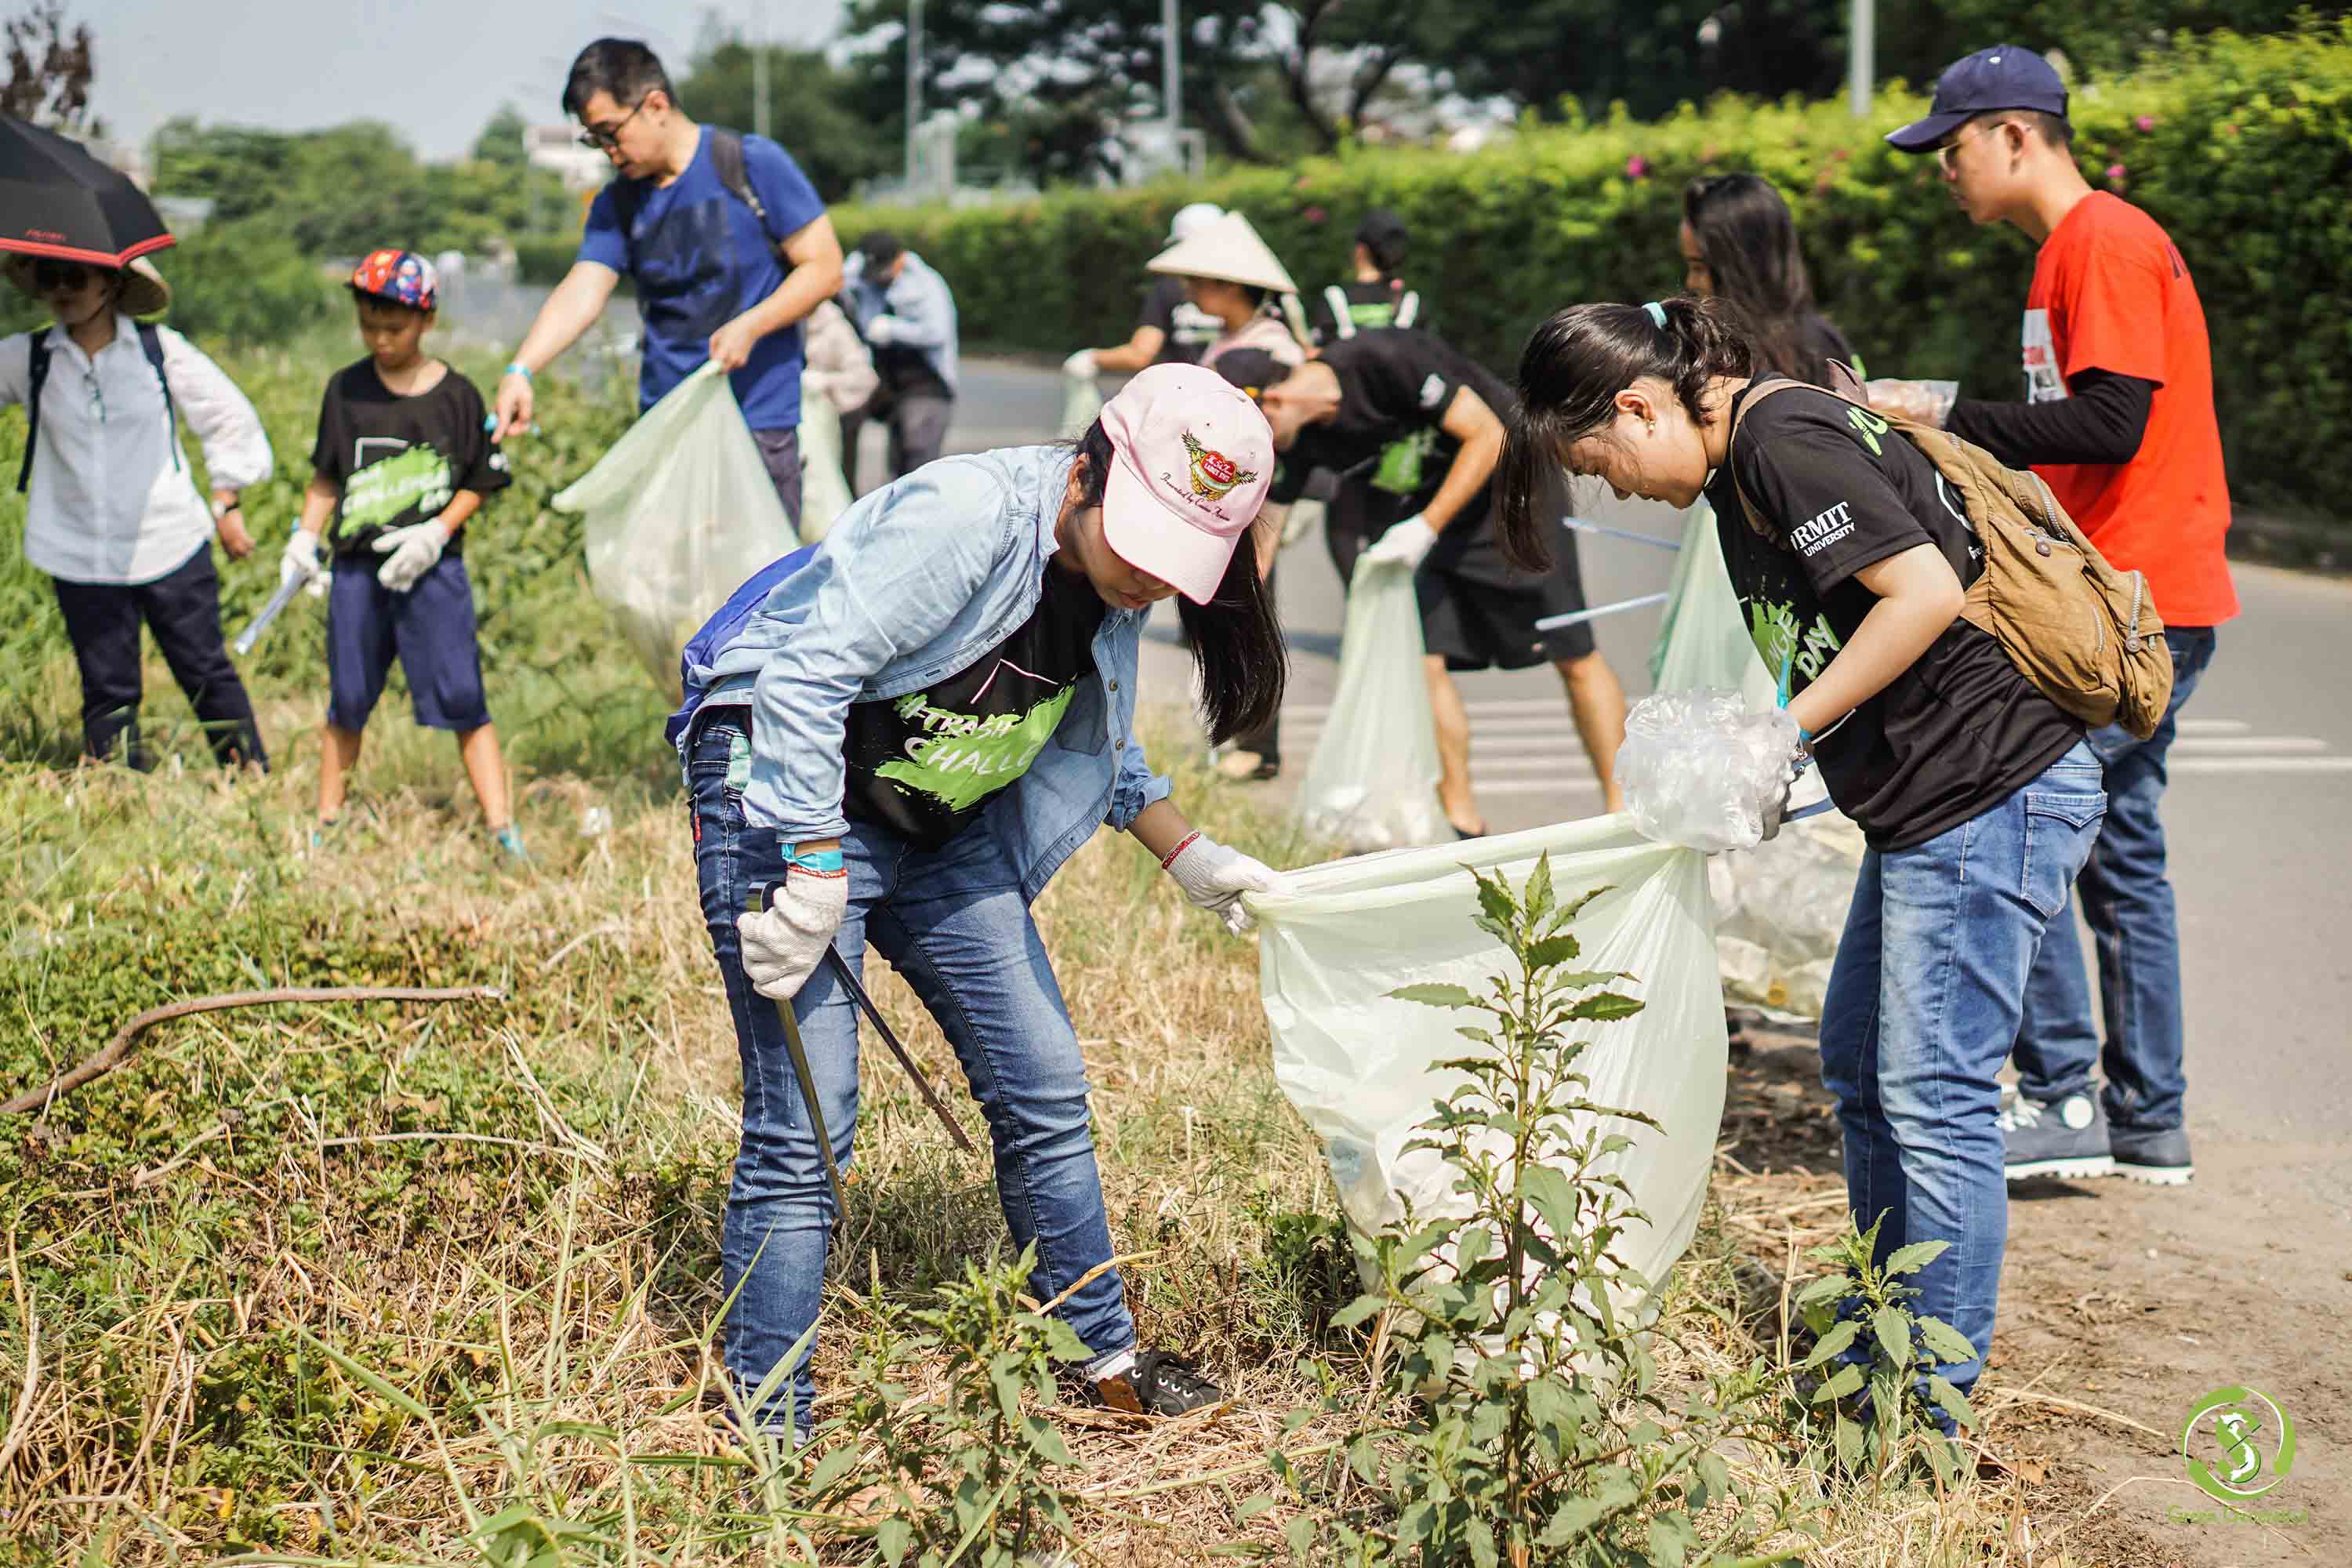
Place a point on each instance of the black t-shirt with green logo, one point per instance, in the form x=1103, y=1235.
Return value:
x=1962, y=729
x=1386, y=443
x=924, y=766
x=397, y=460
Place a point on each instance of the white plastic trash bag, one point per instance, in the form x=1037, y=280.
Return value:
x=1359, y=1064
x=1780, y=907
x=824, y=481
x=1372, y=781
x=1081, y=404
x=679, y=513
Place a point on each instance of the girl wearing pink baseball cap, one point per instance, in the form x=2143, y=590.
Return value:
x=894, y=739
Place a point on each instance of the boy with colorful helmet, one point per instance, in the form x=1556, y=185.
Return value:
x=403, y=459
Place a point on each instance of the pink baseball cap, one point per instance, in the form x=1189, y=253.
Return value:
x=1190, y=460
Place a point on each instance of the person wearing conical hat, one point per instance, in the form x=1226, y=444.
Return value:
x=112, y=512
x=1170, y=328
x=1230, y=274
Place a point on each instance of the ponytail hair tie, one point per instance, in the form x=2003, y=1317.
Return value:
x=1657, y=313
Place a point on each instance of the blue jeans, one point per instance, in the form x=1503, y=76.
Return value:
x=1923, y=1004
x=2127, y=898
x=953, y=923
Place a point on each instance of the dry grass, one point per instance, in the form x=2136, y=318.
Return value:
x=508, y=1214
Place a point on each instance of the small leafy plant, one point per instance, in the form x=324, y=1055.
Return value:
x=964, y=1475
x=1518, y=1419
x=1879, y=1347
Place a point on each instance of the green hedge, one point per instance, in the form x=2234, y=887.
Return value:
x=2240, y=147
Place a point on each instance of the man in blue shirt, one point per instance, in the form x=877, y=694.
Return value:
x=725, y=240
x=908, y=318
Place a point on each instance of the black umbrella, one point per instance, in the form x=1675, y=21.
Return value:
x=58, y=200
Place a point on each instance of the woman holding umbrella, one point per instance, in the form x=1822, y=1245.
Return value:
x=113, y=515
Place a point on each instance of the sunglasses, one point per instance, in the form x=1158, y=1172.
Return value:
x=1949, y=151
x=60, y=276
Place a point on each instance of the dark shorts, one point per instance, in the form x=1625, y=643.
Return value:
x=1478, y=610
x=431, y=627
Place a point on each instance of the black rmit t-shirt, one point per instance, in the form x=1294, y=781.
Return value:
x=1186, y=330
x=397, y=460
x=925, y=765
x=1958, y=731
x=1389, y=302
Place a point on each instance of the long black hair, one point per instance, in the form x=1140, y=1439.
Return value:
x=1571, y=373
x=1235, y=639
x=1749, y=240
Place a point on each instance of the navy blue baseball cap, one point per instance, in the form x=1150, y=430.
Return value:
x=2002, y=77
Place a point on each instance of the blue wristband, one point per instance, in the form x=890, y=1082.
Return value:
x=825, y=862
x=515, y=368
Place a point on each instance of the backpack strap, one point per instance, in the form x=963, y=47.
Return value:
x=727, y=160
x=1410, y=310
x=1343, y=323
x=151, y=343
x=1754, y=395
x=35, y=374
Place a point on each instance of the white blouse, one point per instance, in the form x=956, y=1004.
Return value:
x=113, y=498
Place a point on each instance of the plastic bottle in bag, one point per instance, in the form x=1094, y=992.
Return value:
x=678, y=513
x=1373, y=782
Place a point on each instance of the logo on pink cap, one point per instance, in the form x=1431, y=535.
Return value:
x=1195, y=446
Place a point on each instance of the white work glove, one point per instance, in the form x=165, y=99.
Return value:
x=1774, y=809
x=1214, y=878
x=300, y=562
x=1403, y=545
x=414, y=550
x=1080, y=367
x=1921, y=402
x=882, y=330
x=783, y=943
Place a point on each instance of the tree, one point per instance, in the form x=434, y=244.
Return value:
x=49, y=68
x=501, y=142
x=813, y=112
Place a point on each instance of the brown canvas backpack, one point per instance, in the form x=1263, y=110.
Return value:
x=2086, y=635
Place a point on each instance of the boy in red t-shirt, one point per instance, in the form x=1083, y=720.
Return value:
x=2119, y=420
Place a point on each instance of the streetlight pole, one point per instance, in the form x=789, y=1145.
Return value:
x=914, y=85
x=1861, y=54
x=1172, y=78
x=758, y=68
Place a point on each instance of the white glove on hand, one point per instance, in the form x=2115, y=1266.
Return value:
x=783, y=943
x=300, y=562
x=1403, y=545
x=1922, y=402
x=414, y=550
x=1214, y=878
x=1080, y=367
x=881, y=331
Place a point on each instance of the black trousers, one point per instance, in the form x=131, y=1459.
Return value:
x=183, y=608
x=918, y=430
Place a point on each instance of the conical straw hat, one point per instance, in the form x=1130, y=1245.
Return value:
x=1229, y=250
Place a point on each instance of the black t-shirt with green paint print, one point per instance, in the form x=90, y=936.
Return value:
x=1958, y=731
x=399, y=460
x=924, y=766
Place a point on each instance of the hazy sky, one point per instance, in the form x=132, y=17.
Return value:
x=438, y=68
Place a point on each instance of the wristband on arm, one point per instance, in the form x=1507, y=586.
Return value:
x=1181, y=845
x=816, y=862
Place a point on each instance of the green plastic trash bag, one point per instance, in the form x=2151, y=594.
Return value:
x=1372, y=781
x=1362, y=1066
x=825, y=483
x=676, y=516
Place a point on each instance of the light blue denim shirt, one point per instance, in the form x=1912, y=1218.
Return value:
x=918, y=581
x=917, y=300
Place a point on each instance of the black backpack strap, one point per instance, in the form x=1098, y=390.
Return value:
x=36, y=372
x=150, y=341
x=727, y=161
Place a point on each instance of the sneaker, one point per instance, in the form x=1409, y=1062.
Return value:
x=1154, y=1382
x=2061, y=1138
x=2154, y=1154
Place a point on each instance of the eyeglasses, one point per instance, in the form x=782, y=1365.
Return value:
x=1944, y=153
x=609, y=141
x=51, y=277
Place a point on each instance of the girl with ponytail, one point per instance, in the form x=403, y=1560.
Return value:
x=1978, y=796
